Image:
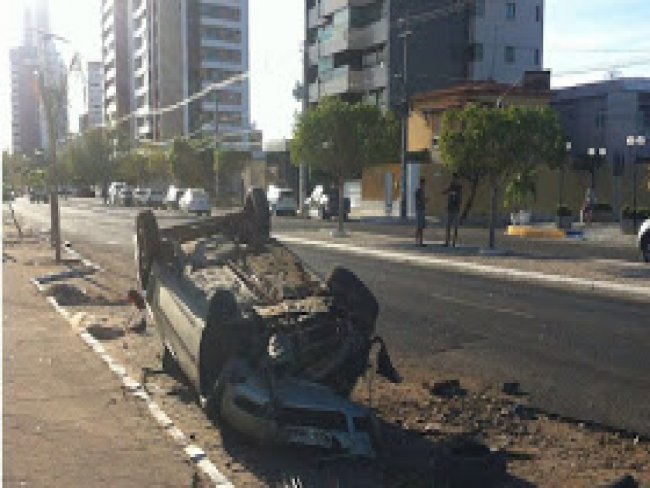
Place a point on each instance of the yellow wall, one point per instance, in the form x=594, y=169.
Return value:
x=437, y=177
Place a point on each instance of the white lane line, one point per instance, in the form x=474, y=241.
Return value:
x=197, y=455
x=481, y=306
x=630, y=291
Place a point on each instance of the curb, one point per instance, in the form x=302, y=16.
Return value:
x=197, y=455
x=556, y=281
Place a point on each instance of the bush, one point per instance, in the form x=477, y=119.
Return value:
x=602, y=207
x=641, y=213
x=563, y=211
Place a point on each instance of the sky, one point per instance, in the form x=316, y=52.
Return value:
x=584, y=40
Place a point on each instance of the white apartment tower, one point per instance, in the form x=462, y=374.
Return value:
x=178, y=48
x=116, y=57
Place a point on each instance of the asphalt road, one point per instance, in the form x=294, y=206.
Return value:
x=577, y=355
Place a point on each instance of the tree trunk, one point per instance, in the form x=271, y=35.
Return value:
x=470, y=200
x=341, y=204
x=493, y=216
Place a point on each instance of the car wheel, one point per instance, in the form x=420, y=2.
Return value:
x=220, y=338
x=645, y=249
x=258, y=219
x=147, y=245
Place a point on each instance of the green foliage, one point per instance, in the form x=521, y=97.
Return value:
x=519, y=188
x=192, y=163
x=501, y=147
x=343, y=138
x=500, y=144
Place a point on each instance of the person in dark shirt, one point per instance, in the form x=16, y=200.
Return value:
x=420, y=202
x=454, y=194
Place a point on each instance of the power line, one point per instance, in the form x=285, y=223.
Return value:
x=629, y=64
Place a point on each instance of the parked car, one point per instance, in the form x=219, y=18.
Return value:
x=174, y=194
x=125, y=196
x=39, y=195
x=156, y=198
x=113, y=191
x=141, y=196
x=271, y=348
x=643, y=240
x=324, y=203
x=282, y=201
x=195, y=200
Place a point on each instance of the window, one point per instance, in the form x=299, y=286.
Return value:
x=537, y=58
x=221, y=12
x=538, y=13
x=476, y=52
x=510, y=54
x=221, y=34
x=511, y=11
x=479, y=8
x=222, y=55
x=229, y=97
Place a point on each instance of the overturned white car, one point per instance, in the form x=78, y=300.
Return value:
x=271, y=348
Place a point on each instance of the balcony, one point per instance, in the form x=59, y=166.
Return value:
x=343, y=40
x=346, y=80
x=328, y=7
x=111, y=91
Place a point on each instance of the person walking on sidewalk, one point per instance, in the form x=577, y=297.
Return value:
x=420, y=201
x=454, y=194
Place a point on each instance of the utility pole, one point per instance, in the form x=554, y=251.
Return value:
x=405, y=34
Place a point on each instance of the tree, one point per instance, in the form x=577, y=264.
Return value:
x=343, y=138
x=499, y=145
x=191, y=163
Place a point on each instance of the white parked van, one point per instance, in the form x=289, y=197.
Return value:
x=282, y=201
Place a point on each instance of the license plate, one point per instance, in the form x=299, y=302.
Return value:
x=309, y=437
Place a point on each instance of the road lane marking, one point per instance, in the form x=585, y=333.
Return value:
x=470, y=303
x=583, y=284
x=197, y=455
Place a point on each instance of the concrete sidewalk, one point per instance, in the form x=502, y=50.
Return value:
x=617, y=277
x=66, y=419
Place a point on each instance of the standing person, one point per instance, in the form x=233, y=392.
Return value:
x=454, y=194
x=420, y=202
x=588, y=206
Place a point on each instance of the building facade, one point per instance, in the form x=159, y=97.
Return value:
x=381, y=51
x=174, y=49
x=34, y=64
x=602, y=115
x=25, y=118
x=218, y=51
x=94, y=94
x=116, y=62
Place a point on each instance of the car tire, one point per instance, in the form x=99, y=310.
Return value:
x=147, y=245
x=645, y=249
x=221, y=337
x=258, y=218
x=351, y=293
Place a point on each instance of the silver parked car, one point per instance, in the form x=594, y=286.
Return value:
x=271, y=348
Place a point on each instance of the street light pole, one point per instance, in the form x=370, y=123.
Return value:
x=405, y=116
x=633, y=142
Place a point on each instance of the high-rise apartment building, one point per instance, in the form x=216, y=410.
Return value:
x=94, y=93
x=218, y=50
x=176, y=49
x=35, y=62
x=357, y=49
x=25, y=119
x=116, y=61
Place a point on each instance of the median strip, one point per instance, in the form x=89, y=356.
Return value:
x=606, y=287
